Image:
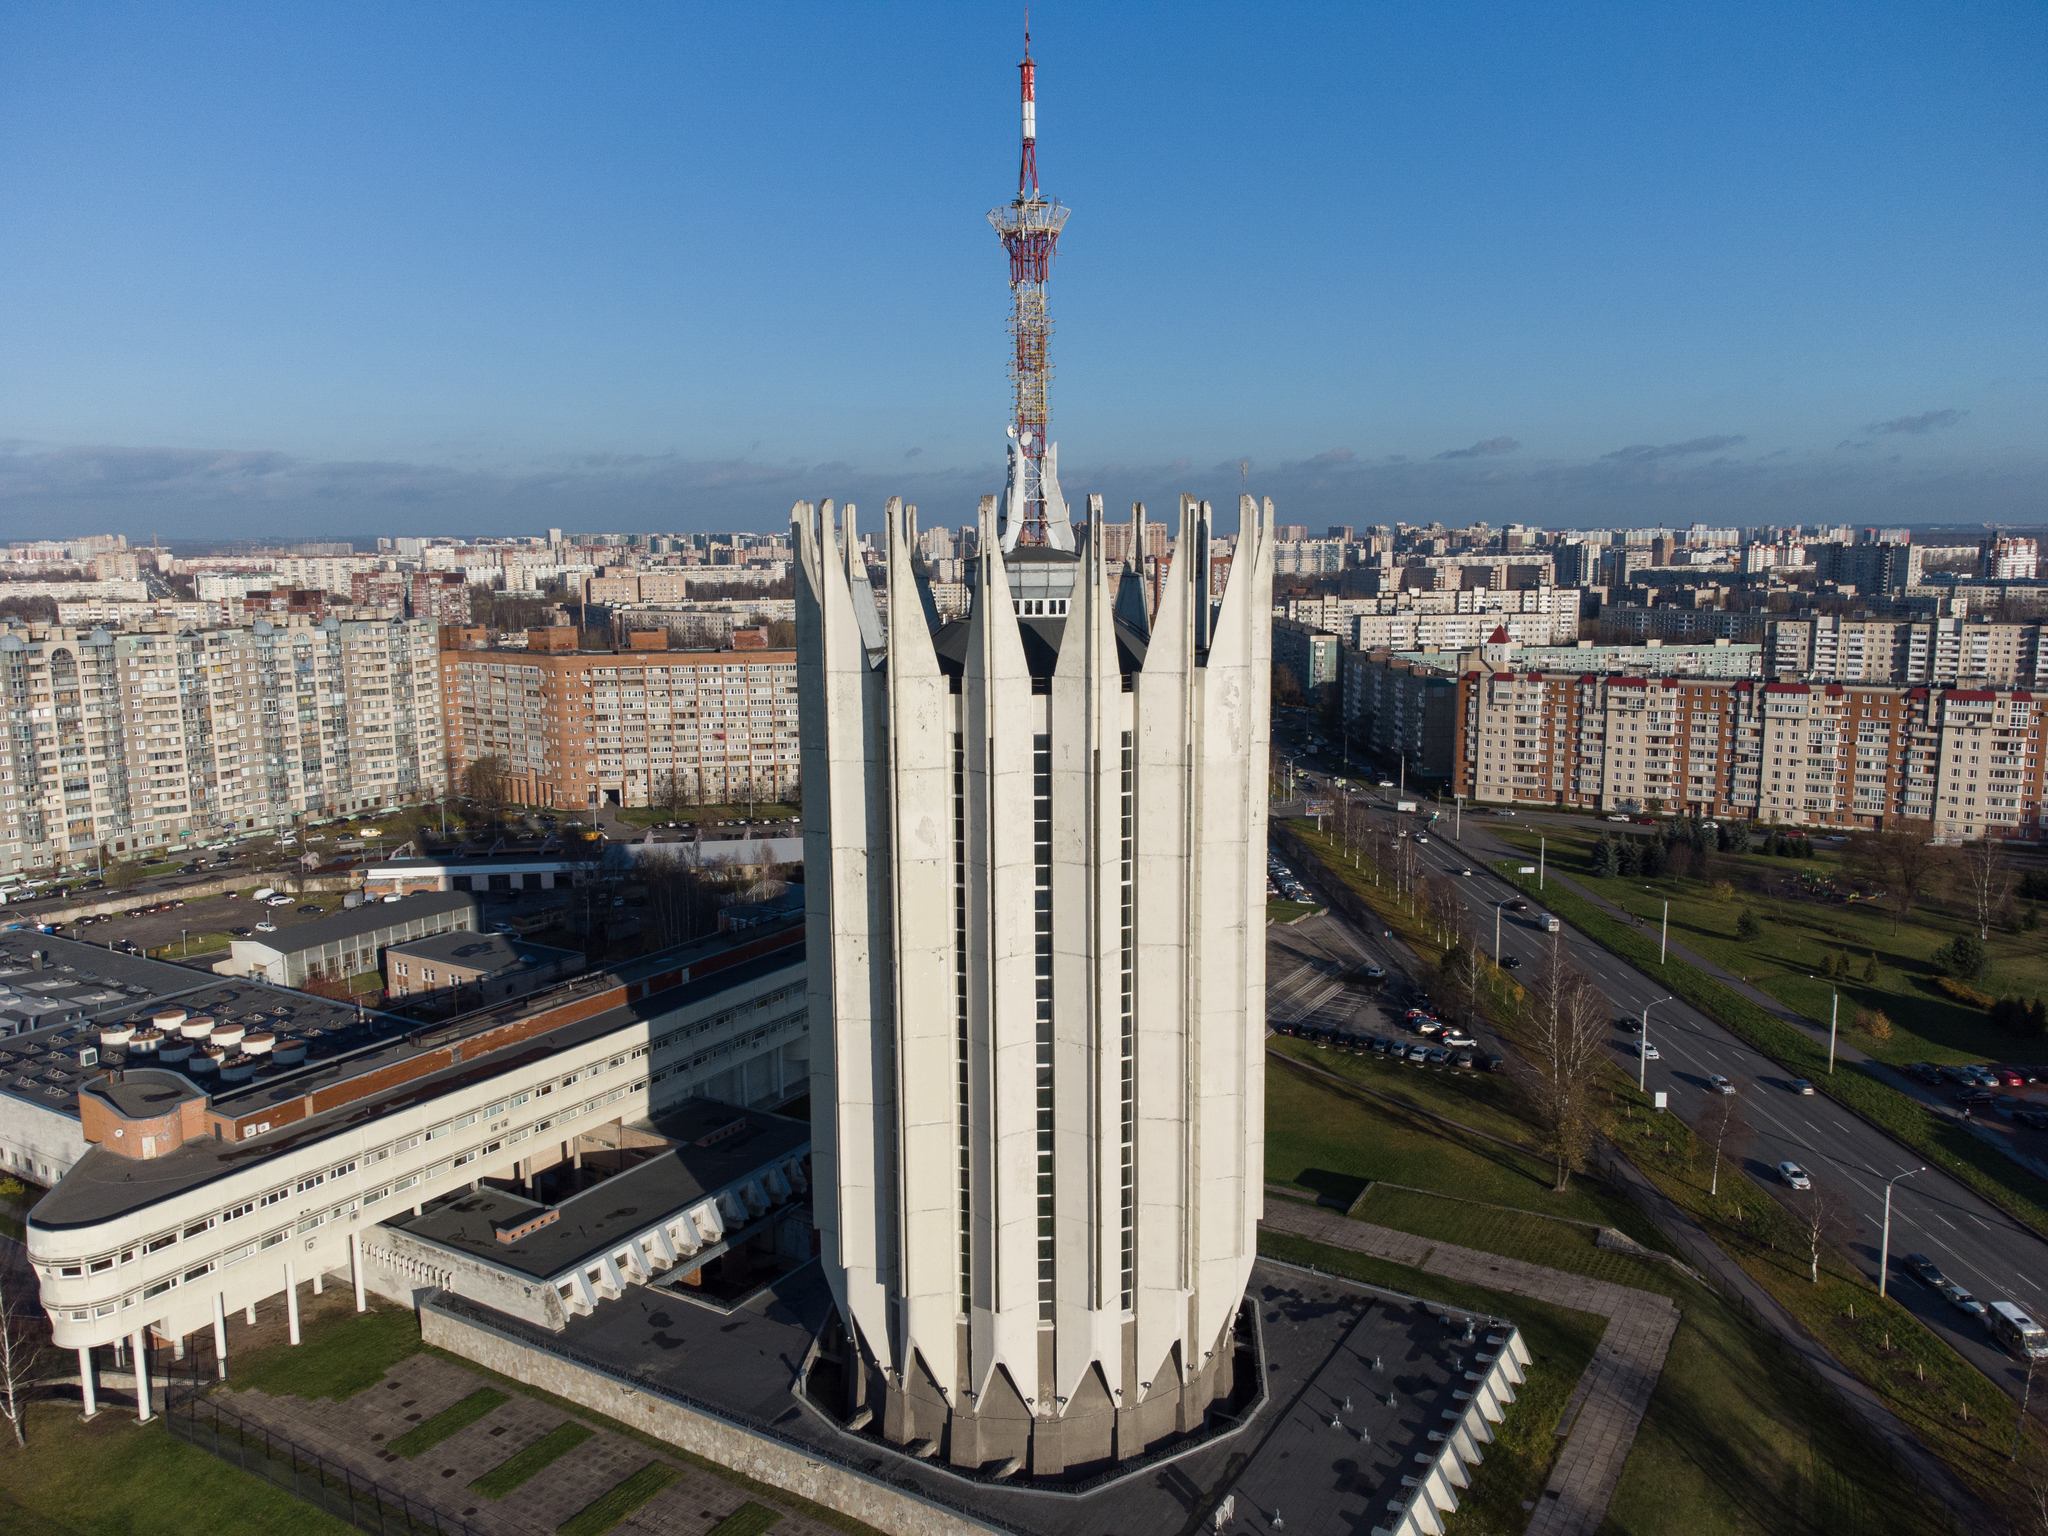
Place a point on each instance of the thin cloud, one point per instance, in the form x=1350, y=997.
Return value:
x=1334, y=456
x=1491, y=447
x=1916, y=426
x=1641, y=451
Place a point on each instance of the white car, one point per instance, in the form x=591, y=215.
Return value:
x=266, y=927
x=1719, y=1083
x=1421, y=838
x=1458, y=1040
x=1648, y=1051
x=1794, y=1175
x=1375, y=972
x=1617, y=818
x=1386, y=784
x=1466, y=873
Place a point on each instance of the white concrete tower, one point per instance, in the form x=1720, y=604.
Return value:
x=1035, y=862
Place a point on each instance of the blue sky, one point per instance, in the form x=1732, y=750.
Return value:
x=367, y=269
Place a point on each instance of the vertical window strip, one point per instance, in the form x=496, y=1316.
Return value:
x=1041, y=860
x=960, y=1019
x=1128, y=1059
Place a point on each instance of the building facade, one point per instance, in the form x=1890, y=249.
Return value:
x=1034, y=852
x=149, y=739
x=575, y=728
x=1963, y=763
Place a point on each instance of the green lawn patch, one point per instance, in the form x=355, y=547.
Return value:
x=619, y=1501
x=1984, y=1168
x=114, y=1477
x=654, y=816
x=748, y=1520
x=424, y=1436
x=1561, y=1342
x=537, y=1457
x=337, y=1359
x=1288, y=911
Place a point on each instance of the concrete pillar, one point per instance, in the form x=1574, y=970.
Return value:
x=291, y=1303
x=178, y=1347
x=249, y=1314
x=139, y=1346
x=86, y=1384
x=120, y=1345
x=220, y=1333
x=355, y=1266
x=318, y=1276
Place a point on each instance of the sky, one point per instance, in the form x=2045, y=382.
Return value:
x=340, y=271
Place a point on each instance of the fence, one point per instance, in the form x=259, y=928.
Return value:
x=195, y=1417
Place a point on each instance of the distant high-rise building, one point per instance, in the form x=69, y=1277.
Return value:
x=2010, y=559
x=1867, y=567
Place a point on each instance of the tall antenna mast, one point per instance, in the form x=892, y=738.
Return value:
x=1029, y=229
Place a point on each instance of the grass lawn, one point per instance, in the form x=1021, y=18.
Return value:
x=1288, y=911
x=537, y=1457
x=652, y=816
x=452, y=1420
x=619, y=1501
x=114, y=1477
x=748, y=1520
x=336, y=1360
x=1804, y=926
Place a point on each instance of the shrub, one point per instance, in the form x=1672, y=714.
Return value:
x=1721, y=890
x=1872, y=1023
x=1961, y=957
x=1747, y=927
x=1962, y=992
x=1870, y=967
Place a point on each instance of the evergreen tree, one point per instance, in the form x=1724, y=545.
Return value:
x=1652, y=859
x=1606, y=858
x=1870, y=967
x=1631, y=859
x=1747, y=928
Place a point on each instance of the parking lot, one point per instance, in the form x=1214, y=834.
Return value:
x=188, y=922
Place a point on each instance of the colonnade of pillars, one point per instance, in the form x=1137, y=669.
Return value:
x=136, y=1344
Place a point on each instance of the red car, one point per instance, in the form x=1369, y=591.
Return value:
x=2010, y=1078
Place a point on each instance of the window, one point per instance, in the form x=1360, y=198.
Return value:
x=310, y=1183
x=156, y=1245
x=273, y=1240
x=340, y=1169
x=199, y=1227
x=273, y=1197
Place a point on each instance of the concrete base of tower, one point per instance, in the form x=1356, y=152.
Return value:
x=1001, y=1436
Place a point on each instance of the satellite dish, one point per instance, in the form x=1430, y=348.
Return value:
x=1010, y=431
x=1025, y=440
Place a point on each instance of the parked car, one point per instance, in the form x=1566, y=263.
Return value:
x=1375, y=973
x=1456, y=1038
x=1794, y=1175
x=2032, y=1117
x=1617, y=818
x=266, y=926
x=1438, y=1056
x=310, y=910
x=1801, y=1086
x=1922, y=1268
x=1973, y=1096
x=1495, y=1062
x=1463, y=1059
x=241, y=933
x=1960, y=1299
x=2009, y=1078
x=1719, y=1083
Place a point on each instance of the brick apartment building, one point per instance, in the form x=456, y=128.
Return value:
x=1836, y=755
x=580, y=728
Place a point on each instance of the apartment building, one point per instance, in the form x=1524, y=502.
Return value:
x=1825, y=647
x=580, y=728
x=1965, y=761
x=149, y=739
x=265, y=1175
x=1402, y=708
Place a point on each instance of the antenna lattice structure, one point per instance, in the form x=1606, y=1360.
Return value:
x=1030, y=229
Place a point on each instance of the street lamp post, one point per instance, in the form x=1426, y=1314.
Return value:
x=1664, y=936
x=1834, y=1011
x=1539, y=863
x=1496, y=932
x=1643, y=1048
x=1884, y=1245
x=1458, y=820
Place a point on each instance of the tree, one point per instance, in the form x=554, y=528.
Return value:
x=1901, y=859
x=1961, y=957
x=1985, y=876
x=1568, y=1027
x=1747, y=928
x=1286, y=687
x=24, y=1335
x=1818, y=1215
x=1870, y=967
x=1630, y=857
x=123, y=875
x=1652, y=860
x=484, y=781
x=1606, y=858
x=1725, y=1128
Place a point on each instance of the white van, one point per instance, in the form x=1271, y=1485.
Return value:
x=2018, y=1332
x=264, y=894
x=1551, y=924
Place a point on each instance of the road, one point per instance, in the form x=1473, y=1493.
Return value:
x=1975, y=1244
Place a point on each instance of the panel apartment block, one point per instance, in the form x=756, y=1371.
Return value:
x=142, y=740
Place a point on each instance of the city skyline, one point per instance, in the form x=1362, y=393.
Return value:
x=347, y=275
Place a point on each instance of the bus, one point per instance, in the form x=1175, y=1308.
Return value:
x=2017, y=1331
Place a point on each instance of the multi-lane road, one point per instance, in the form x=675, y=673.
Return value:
x=1975, y=1244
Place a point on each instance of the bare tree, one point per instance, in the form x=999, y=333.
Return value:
x=484, y=781
x=1903, y=859
x=1819, y=1215
x=1724, y=1125
x=1984, y=874
x=24, y=1335
x=1568, y=1024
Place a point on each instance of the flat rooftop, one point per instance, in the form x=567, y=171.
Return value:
x=594, y=1221
x=78, y=980
x=1324, y=1339
x=491, y=953
x=353, y=922
x=101, y=1186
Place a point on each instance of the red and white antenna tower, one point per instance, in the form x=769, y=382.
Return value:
x=1029, y=229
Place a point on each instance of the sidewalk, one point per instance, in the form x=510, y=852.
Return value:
x=1599, y=1422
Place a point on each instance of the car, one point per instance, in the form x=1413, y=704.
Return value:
x=503, y=928
x=1457, y=1039
x=1648, y=1051
x=1386, y=784
x=1925, y=1071
x=1960, y=1299
x=1617, y=818
x=2009, y=1078
x=310, y=910
x=266, y=926
x=1719, y=1083
x=1518, y=905
x=1465, y=874
x=1463, y=1059
x=1646, y=821
x=1438, y=1056
x=241, y=933
x=1375, y=973
x=1420, y=838
x=1972, y=1095
x=1921, y=1268
x=2032, y=1117
x=1802, y=1087
x=1510, y=963
x=1629, y=1024
x=1495, y=1062
x=1794, y=1175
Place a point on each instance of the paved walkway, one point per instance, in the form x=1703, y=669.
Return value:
x=1599, y=1423
x=355, y=1431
